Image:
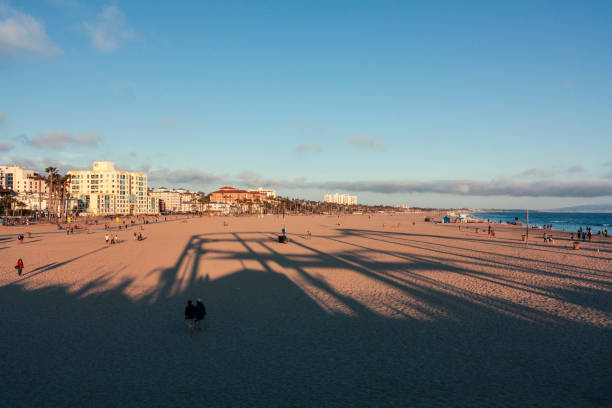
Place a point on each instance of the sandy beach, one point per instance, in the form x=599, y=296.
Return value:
x=368, y=311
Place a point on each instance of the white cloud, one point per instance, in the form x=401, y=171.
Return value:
x=576, y=169
x=109, y=30
x=307, y=147
x=535, y=172
x=20, y=32
x=41, y=163
x=366, y=142
x=478, y=188
x=60, y=139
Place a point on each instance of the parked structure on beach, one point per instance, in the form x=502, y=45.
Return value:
x=105, y=190
x=340, y=199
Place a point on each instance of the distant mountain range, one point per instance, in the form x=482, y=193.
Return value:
x=586, y=208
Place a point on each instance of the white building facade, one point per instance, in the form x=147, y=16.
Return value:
x=107, y=191
x=223, y=208
x=268, y=192
x=340, y=199
x=21, y=180
x=176, y=200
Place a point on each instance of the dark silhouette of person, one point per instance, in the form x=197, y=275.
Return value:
x=190, y=315
x=200, y=314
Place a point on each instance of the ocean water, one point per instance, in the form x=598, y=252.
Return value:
x=563, y=221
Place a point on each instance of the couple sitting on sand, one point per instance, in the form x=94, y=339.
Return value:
x=194, y=315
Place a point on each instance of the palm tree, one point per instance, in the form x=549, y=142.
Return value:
x=203, y=199
x=62, y=181
x=8, y=202
x=52, y=173
x=20, y=205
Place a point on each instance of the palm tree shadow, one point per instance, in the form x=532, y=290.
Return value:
x=272, y=340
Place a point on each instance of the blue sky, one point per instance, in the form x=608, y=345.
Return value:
x=480, y=104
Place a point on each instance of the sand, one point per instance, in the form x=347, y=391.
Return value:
x=372, y=312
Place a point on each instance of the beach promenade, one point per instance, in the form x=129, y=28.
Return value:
x=367, y=311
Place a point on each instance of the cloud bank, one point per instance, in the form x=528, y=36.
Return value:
x=20, y=32
x=5, y=147
x=60, y=139
x=189, y=176
x=585, y=188
x=248, y=179
x=40, y=164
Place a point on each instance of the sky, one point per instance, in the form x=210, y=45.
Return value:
x=435, y=104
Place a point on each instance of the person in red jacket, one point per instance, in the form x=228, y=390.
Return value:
x=19, y=266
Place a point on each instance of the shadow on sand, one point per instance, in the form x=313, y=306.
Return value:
x=269, y=342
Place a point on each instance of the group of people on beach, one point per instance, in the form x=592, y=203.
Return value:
x=110, y=240
x=194, y=314
x=583, y=234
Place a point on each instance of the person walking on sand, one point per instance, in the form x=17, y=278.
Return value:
x=190, y=315
x=106, y=238
x=19, y=266
x=200, y=314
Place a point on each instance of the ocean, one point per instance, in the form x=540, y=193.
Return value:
x=563, y=221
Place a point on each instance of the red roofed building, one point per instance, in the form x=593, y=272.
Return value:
x=231, y=194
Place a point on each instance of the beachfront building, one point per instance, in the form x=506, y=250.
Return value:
x=29, y=191
x=36, y=201
x=340, y=199
x=270, y=194
x=170, y=199
x=233, y=195
x=189, y=202
x=21, y=180
x=176, y=200
x=107, y=191
x=219, y=208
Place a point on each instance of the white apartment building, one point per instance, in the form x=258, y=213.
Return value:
x=268, y=192
x=105, y=190
x=223, y=208
x=34, y=201
x=172, y=199
x=20, y=180
x=340, y=199
x=189, y=203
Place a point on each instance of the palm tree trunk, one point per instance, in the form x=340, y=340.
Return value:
x=39, y=198
x=49, y=204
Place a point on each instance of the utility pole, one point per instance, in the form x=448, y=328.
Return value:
x=527, y=228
